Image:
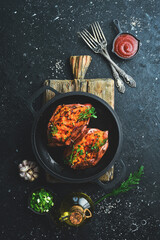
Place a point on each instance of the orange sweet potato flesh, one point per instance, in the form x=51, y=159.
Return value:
x=64, y=126
x=88, y=149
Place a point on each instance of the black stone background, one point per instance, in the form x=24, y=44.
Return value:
x=37, y=39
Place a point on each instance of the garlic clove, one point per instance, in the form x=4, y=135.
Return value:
x=28, y=175
x=24, y=169
x=36, y=169
x=22, y=174
x=30, y=171
x=30, y=163
x=35, y=175
x=25, y=162
x=20, y=165
x=31, y=179
x=26, y=178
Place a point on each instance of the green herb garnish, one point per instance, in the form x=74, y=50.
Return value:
x=53, y=129
x=70, y=158
x=96, y=146
x=88, y=113
x=103, y=142
x=41, y=201
x=73, y=154
x=126, y=185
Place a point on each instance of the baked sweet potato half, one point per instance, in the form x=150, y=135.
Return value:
x=68, y=122
x=87, y=150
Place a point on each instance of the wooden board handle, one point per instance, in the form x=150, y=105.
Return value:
x=80, y=65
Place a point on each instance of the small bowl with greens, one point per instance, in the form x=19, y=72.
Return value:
x=41, y=201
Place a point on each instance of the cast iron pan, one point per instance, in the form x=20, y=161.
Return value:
x=117, y=25
x=51, y=159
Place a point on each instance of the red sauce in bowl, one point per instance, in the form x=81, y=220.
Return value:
x=126, y=46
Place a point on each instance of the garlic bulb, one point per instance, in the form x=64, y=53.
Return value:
x=28, y=170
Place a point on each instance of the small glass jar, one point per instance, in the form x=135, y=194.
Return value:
x=76, y=208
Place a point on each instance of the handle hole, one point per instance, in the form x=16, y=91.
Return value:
x=88, y=213
x=37, y=103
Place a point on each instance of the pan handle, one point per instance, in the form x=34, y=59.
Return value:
x=115, y=181
x=36, y=95
x=117, y=24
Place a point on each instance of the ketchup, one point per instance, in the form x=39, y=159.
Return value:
x=126, y=45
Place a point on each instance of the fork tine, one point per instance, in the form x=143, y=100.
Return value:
x=95, y=32
x=102, y=34
x=90, y=36
x=86, y=40
x=97, y=26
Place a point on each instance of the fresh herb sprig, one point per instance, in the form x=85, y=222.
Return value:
x=88, y=113
x=130, y=183
x=41, y=201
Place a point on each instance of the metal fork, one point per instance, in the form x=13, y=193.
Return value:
x=97, y=29
x=98, y=44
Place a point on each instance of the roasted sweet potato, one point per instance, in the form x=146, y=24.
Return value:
x=87, y=149
x=68, y=122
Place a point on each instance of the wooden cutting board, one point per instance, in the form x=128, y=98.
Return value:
x=103, y=88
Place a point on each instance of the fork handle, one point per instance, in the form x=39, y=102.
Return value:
x=118, y=81
x=127, y=78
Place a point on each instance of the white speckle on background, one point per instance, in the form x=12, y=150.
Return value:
x=135, y=23
x=57, y=68
x=55, y=18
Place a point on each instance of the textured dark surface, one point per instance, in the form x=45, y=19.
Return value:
x=37, y=39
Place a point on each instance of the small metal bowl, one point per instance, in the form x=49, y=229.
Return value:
x=120, y=32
